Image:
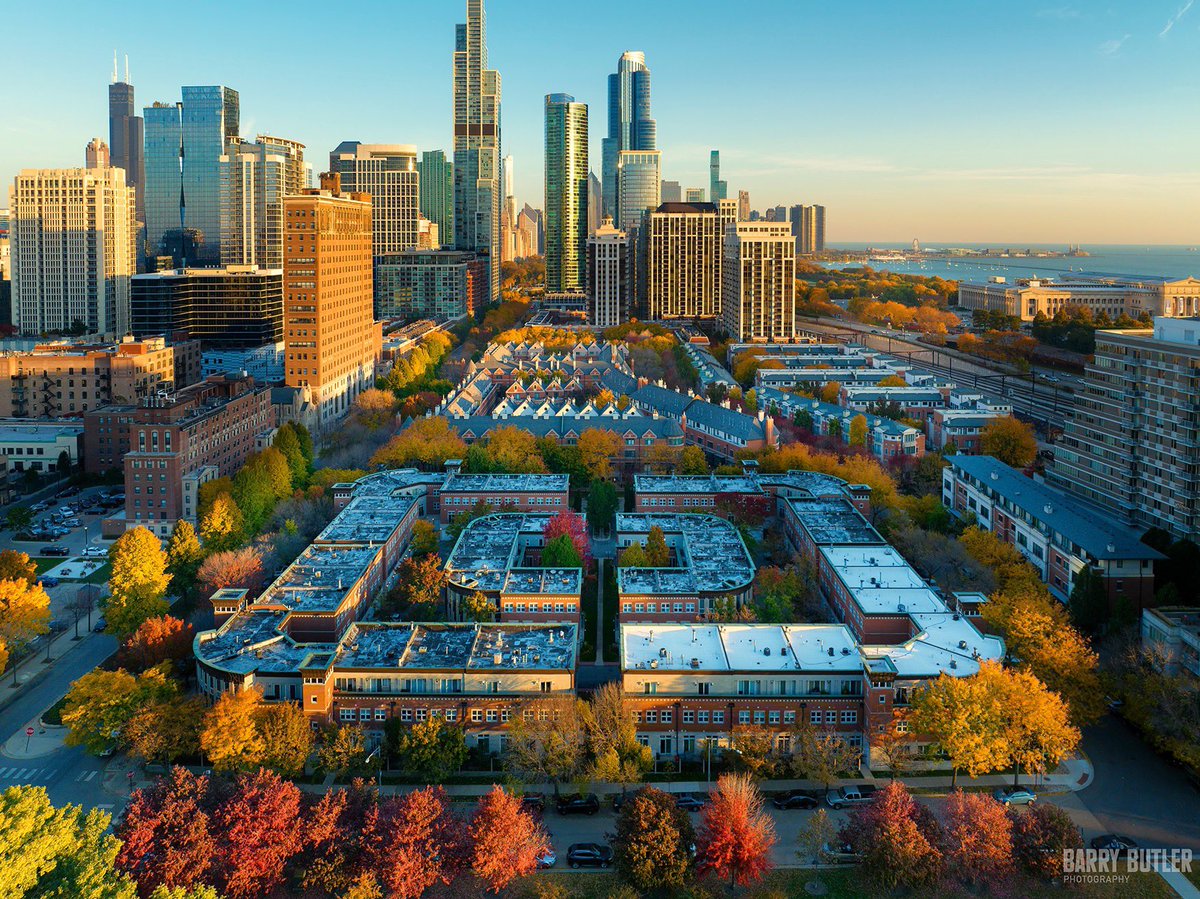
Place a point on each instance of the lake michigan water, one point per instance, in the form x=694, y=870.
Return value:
x=1109, y=259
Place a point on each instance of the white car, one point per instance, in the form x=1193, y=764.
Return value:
x=95, y=552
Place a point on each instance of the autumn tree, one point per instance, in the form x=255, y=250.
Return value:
x=374, y=408
x=751, y=751
x=343, y=749
x=821, y=755
x=858, y=431
x=1041, y=834
x=547, y=741
x=337, y=829
x=24, y=613
x=432, y=749
x=260, y=827
x=426, y=443
x=736, y=834
x=507, y=449
x=962, y=720
x=231, y=738
x=157, y=640
x=237, y=568
x=167, y=834
x=616, y=754
x=1010, y=440
x=166, y=730
x=829, y=392
x=418, y=842
x=633, y=556
x=506, y=842
x=222, y=526
x=897, y=838
x=184, y=556
x=815, y=835
x=658, y=555
x=977, y=841
x=49, y=851
x=571, y=525
x=17, y=566
x=895, y=743
x=652, y=841
x=418, y=590
x=597, y=449
x=138, y=581
x=424, y=539
x=100, y=704
x=692, y=461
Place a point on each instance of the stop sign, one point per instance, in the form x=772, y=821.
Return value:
x=29, y=731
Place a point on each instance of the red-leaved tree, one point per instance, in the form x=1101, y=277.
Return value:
x=897, y=838
x=232, y=568
x=418, y=842
x=260, y=834
x=160, y=639
x=1040, y=834
x=166, y=833
x=506, y=841
x=977, y=839
x=736, y=834
x=333, y=835
x=572, y=525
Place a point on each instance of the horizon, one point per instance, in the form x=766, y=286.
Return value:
x=965, y=148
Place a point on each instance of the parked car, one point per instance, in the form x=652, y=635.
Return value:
x=589, y=855
x=100, y=625
x=619, y=800
x=54, y=549
x=582, y=804
x=1115, y=843
x=49, y=581
x=40, y=506
x=839, y=854
x=796, y=799
x=68, y=491
x=1014, y=795
x=533, y=802
x=548, y=860
x=65, y=511
x=857, y=794
x=94, y=552
x=71, y=522
x=690, y=802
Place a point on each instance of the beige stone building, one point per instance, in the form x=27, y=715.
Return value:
x=758, y=294
x=1026, y=298
x=331, y=337
x=681, y=275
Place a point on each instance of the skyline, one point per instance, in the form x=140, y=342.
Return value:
x=944, y=150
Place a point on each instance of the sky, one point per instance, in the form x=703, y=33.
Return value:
x=1003, y=122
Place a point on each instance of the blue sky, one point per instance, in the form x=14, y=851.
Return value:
x=948, y=121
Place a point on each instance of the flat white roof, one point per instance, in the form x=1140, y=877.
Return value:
x=881, y=581
x=739, y=647
x=946, y=643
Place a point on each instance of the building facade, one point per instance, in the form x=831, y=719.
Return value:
x=758, y=289
x=639, y=180
x=437, y=284
x=609, y=276
x=477, y=176
x=96, y=154
x=126, y=136
x=255, y=177
x=681, y=260
x=435, y=174
x=630, y=126
x=717, y=189
x=808, y=227
x=332, y=337
x=73, y=248
x=230, y=307
x=566, y=193
x=1112, y=295
x=40, y=446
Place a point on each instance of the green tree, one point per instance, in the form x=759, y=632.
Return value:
x=633, y=556
x=18, y=518
x=287, y=738
x=692, y=461
x=561, y=553
x=424, y=538
x=652, y=842
x=616, y=755
x=184, y=556
x=343, y=749
x=138, y=581
x=602, y=505
x=821, y=755
x=288, y=443
x=431, y=749
x=100, y=704
x=1089, y=600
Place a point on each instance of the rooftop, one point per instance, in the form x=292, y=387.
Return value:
x=707, y=483
x=386, y=483
x=834, y=521
x=881, y=581
x=490, y=546
x=320, y=578
x=367, y=519
x=739, y=647
x=17, y=430
x=945, y=642
x=457, y=647
x=711, y=555
x=523, y=483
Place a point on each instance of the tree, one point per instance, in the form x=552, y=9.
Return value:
x=337, y=830
x=343, y=749
x=431, y=749
x=260, y=825
x=418, y=590
x=17, y=566
x=897, y=839
x=427, y=443
x=288, y=442
x=963, y=721
x=751, y=750
x=602, y=506
x=657, y=553
x=18, y=518
x=829, y=392
x=1038, y=729
x=561, y=553
x=597, y=450
x=418, y=842
x=633, y=556
x=1089, y=600
x=222, y=526
x=138, y=581
x=571, y=524
x=736, y=834
x=547, y=741
x=166, y=833
x=287, y=738
x=238, y=568
x=424, y=539
x=893, y=381
x=1040, y=837
x=692, y=461
x=47, y=851
x=652, y=842
x=374, y=408
x=616, y=754
x=506, y=842
x=184, y=556
x=977, y=839
x=24, y=613
x=167, y=730
x=508, y=449
x=231, y=737
x=858, y=431
x=816, y=834
x=100, y=704
x=821, y=755
x=895, y=743
x=1010, y=440
x=157, y=640
x=477, y=607
x=199, y=891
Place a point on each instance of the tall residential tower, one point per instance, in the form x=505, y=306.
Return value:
x=255, y=177
x=629, y=124
x=477, y=145
x=436, y=192
x=566, y=193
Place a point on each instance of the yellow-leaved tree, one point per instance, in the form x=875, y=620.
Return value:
x=221, y=527
x=597, y=449
x=24, y=615
x=138, y=581
x=858, y=431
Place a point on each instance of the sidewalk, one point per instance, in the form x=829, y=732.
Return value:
x=33, y=668
x=45, y=739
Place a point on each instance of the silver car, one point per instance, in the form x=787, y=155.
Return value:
x=1015, y=795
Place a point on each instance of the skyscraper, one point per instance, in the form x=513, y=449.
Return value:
x=72, y=250
x=255, y=177
x=682, y=265
x=758, y=290
x=693, y=195
x=595, y=203
x=717, y=189
x=743, y=205
x=331, y=338
x=184, y=145
x=125, y=136
x=629, y=124
x=477, y=145
x=608, y=282
x=566, y=193
x=808, y=227
x=436, y=191
x=97, y=155
x=671, y=192
x=639, y=180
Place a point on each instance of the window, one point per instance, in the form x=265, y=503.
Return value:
x=422, y=714
x=477, y=715
x=703, y=688
x=849, y=716
x=702, y=717
x=789, y=717
x=718, y=717
x=744, y=717
x=667, y=716
x=492, y=716
x=364, y=714
x=651, y=717
x=814, y=717
x=381, y=714
x=773, y=717
x=689, y=717
x=451, y=714
x=345, y=714
x=546, y=686
x=760, y=717
x=831, y=717
x=406, y=715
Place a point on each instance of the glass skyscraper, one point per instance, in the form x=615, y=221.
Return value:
x=566, y=193
x=629, y=124
x=639, y=185
x=437, y=192
x=184, y=145
x=717, y=189
x=255, y=177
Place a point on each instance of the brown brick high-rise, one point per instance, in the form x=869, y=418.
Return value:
x=330, y=333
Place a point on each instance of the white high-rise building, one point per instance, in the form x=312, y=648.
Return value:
x=608, y=276
x=639, y=185
x=73, y=250
x=758, y=291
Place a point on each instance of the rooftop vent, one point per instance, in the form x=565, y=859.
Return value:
x=766, y=650
x=962, y=644
x=831, y=652
x=953, y=663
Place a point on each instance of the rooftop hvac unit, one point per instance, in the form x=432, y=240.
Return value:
x=831, y=652
x=654, y=663
x=695, y=663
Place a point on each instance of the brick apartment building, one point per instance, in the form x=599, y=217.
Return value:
x=513, y=492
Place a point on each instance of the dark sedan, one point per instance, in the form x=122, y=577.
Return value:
x=690, y=802
x=796, y=799
x=578, y=805
x=1115, y=843
x=589, y=855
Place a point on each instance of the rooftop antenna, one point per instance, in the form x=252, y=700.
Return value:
x=127, y=81
x=114, y=77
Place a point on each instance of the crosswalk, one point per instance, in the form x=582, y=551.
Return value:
x=33, y=775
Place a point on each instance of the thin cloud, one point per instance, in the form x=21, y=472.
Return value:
x=1108, y=48
x=1171, y=22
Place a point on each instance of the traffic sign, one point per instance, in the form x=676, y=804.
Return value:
x=29, y=731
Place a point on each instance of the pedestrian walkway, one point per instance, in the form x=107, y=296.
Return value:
x=33, y=741
x=1180, y=884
